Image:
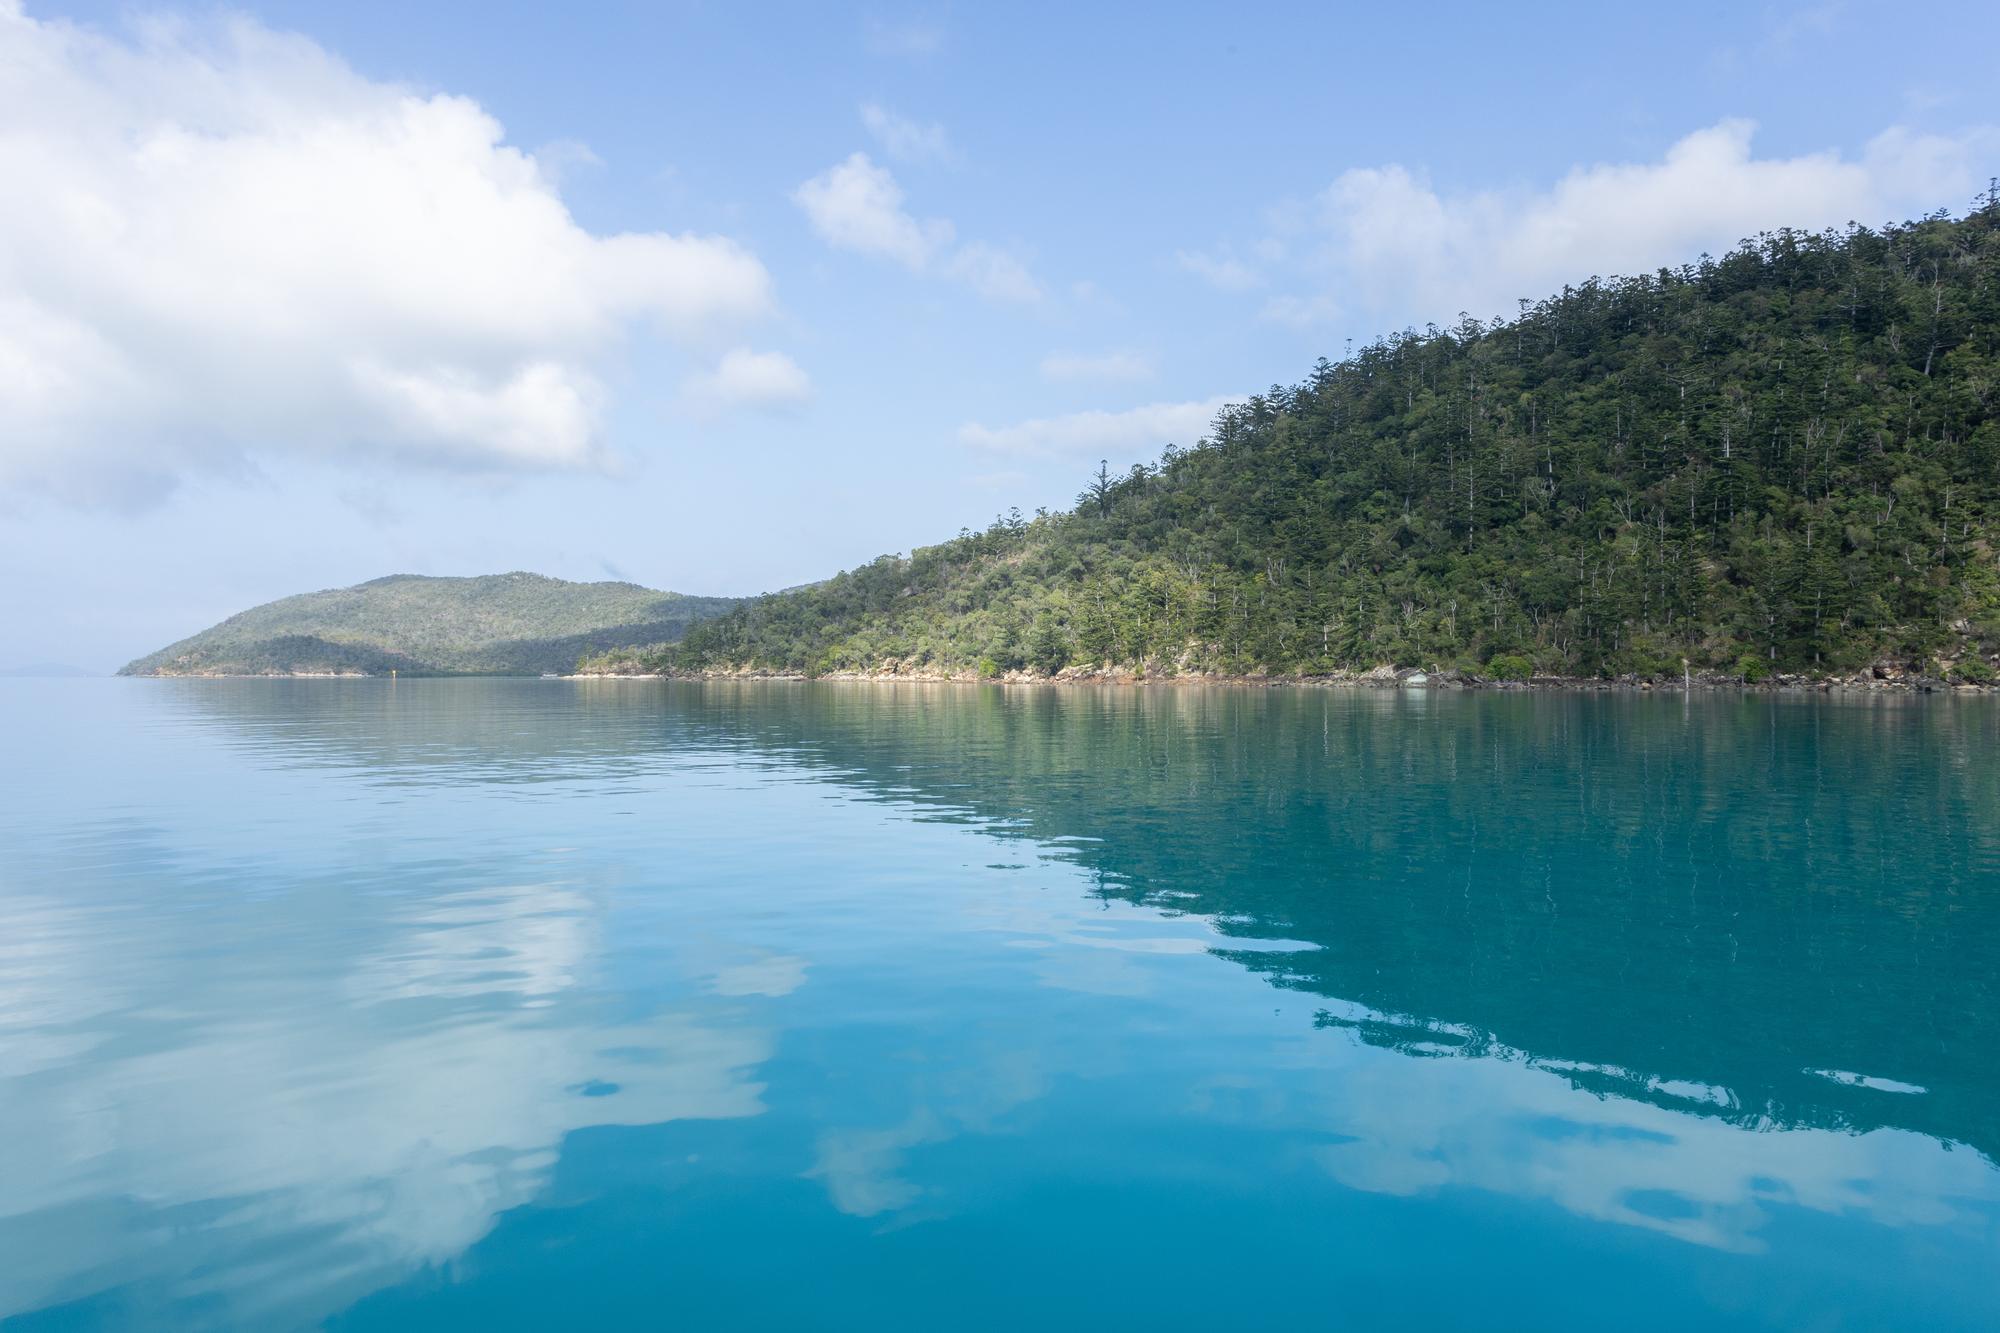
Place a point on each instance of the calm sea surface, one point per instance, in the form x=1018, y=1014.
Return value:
x=475, y=1004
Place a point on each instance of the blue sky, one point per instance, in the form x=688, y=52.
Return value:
x=723, y=298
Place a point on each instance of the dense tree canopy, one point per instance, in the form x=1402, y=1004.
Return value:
x=1786, y=458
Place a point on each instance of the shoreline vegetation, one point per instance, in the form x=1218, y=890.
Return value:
x=1775, y=469
x=1879, y=680
x=1378, y=678
x=1780, y=463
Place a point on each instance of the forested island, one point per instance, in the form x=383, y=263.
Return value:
x=1782, y=462
x=494, y=624
x=1785, y=459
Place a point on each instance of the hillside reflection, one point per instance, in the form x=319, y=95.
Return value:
x=1770, y=912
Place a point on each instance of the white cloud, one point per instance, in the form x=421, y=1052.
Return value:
x=1396, y=246
x=560, y=159
x=541, y=415
x=1136, y=431
x=744, y=378
x=1223, y=272
x=907, y=140
x=225, y=245
x=1104, y=368
x=857, y=205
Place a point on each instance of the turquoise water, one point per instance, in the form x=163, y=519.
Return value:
x=485, y=1004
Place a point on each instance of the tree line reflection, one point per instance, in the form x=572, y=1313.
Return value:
x=1777, y=912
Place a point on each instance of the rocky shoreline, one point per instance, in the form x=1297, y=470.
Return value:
x=1874, y=681
x=1881, y=679
x=166, y=674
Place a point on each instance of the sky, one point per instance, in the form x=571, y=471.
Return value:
x=724, y=298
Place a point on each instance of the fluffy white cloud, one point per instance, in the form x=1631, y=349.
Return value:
x=1106, y=368
x=1128, y=434
x=907, y=140
x=1393, y=246
x=220, y=243
x=857, y=205
x=744, y=378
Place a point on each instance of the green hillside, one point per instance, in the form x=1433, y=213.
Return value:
x=495, y=624
x=1787, y=458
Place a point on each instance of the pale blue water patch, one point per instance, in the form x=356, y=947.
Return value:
x=538, y=1003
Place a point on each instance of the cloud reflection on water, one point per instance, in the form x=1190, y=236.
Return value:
x=278, y=1058
x=377, y=1113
